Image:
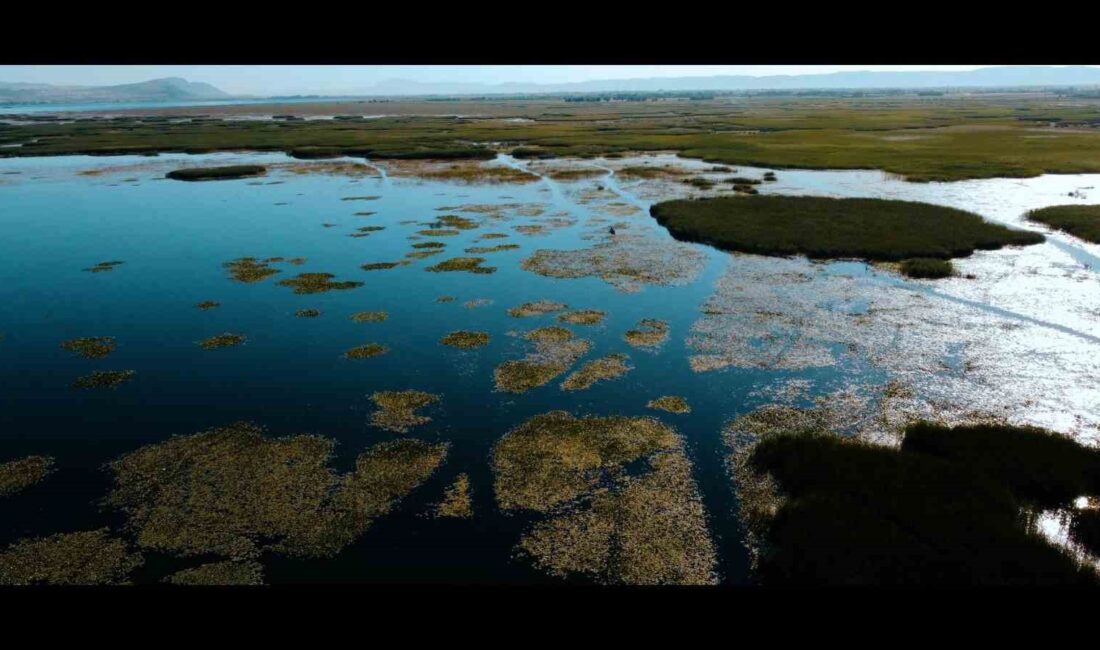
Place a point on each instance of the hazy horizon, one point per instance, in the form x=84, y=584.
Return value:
x=334, y=80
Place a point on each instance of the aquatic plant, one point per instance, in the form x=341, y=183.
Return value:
x=648, y=333
x=307, y=313
x=555, y=351
x=82, y=558
x=468, y=264
x=369, y=316
x=491, y=249
x=821, y=227
x=419, y=255
x=104, y=379
x=226, y=340
x=438, y=232
x=605, y=523
x=227, y=573
x=18, y=474
x=491, y=235
x=537, y=308
x=583, y=317
x=1078, y=220
x=455, y=221
x=477, y=302
x=625, y=262
x=456, y=500
x=465, y=339
x=361, y=198
x=397, y=409
x=235, y=492
x=103, y=267
x=94, y=347
x=700, y=182
x=216, y=173
x=670, y=403
x=366, y=351
x=249, y=269
x=609, y=367
x=926, y=268
x=530, y=229
x=429, y=244
x=379, y=266
x=309, y=283
x=208, y=305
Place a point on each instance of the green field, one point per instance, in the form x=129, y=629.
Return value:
x=920, y=138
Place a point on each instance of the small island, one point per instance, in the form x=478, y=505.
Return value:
x=216, y=173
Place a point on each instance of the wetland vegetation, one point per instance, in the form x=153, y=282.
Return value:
x=216, y=173
x=1078, y=220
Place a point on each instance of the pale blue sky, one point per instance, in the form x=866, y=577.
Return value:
x=336, y=79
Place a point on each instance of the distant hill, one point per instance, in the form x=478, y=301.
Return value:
x=1008, y=76
x=155, y=90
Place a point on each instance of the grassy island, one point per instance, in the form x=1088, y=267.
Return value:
x=818, y=227
x=1078, y=220
x=216, y=173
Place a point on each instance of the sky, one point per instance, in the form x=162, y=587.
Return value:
x=338, y=79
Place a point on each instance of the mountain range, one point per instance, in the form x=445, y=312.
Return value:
x=155, y=90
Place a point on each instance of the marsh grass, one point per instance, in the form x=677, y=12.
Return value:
x=555, y=351
x=17, y=475
x=649, y=333
x=104, y=379
x=366, y=351
x=467, y=264
x=583, y=317
x=74, y=559
x=1078, y=220
x=207, y=305
x=237, y=493
x=456, y=222
x=307, y=313
x=927, y=268
x=94, y=347
x=381, y=266
x=226, y=340
x=537, y=308
x=821, y=227
x=480, y=250
x=396, y=410
x=438, y=232
x=103, y=267
x=465, y=339
x=369, y=317
x=670, y=403
x=216, y=173
x=228, y=573
x=456, y=502
x=250, y=269
x=612, y=366
x=310, y=283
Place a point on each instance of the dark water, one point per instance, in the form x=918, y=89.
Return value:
x=290, y=375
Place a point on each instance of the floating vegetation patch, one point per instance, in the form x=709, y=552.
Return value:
x=381, y=266
x=365, y=213
x=397, y=409
x=419, y=255
x=207, y=305
x=537, y=308
x=366, y=351
x=645, y=171
x=332, y=169
x=437, y=232
x=492, y=235
x=477, y=302
x=361, y=198
x=83, y=558
x=626, y=262
x=467, y=264
x=22, y=473
x=466, y=173
x=229, y=573
x=429, y=244
x=556, y=350
x=104, y=379
x=649, y=333
x=821, y=227
x=670, y=403
x=853, y=513
x=445, y=299
x=491, y=249
x=456, y=500
x=235, y=492
x=226, y=340
x=569, y=175
x=609, y=367
x=619, y=209
x=465, y=339
x=605, y=523
x=455, y=221
x=103, y=267
x=365, y=231
x=583, y=317
x=94, y=347
x=307, y=313
x=216, y=173
x=369, y=316
x=308, y=283
x=250, y=269
x=530, y=229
